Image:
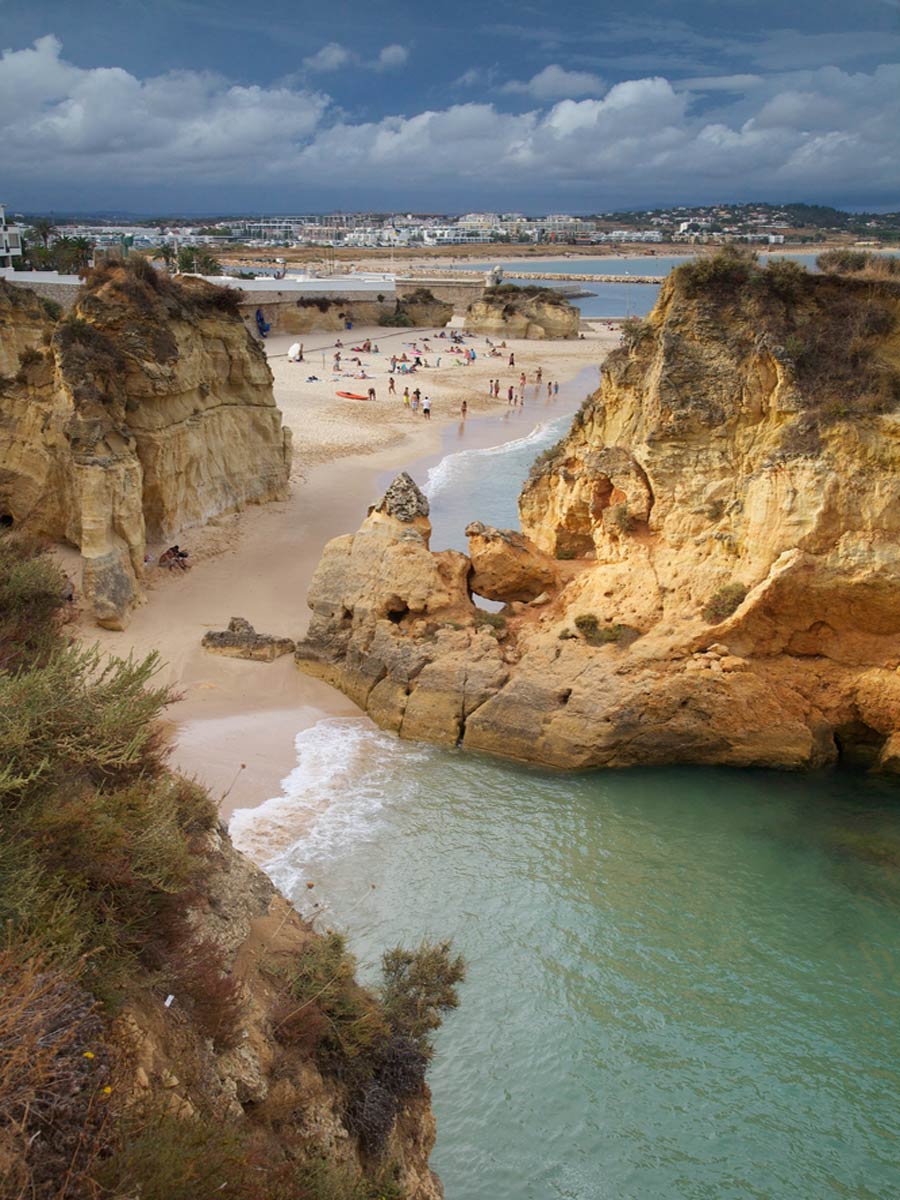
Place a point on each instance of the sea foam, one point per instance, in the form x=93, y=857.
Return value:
x=346, y=771
x=452, y=467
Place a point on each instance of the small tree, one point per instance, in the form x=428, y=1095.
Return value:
x=419, y=987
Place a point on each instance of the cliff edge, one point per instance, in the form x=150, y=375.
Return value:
x=709, y=563
x=145, y=410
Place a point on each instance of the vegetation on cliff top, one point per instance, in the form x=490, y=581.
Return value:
x=106, y=859
x=833, y=333
x=509, y=294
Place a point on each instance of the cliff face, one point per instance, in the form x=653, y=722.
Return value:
x=509, y=311
x=265, y=1084
x=147, y=409
x=723, y=519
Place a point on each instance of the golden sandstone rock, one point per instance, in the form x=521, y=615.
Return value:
x=146, y=410
x=509, y=311
x=725, y=517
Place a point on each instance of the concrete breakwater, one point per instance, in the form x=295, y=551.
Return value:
x=567, y=278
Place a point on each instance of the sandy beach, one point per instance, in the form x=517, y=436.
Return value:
x=235, y=721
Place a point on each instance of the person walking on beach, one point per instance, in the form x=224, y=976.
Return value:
x=538, y=375
x=510, y=394
x=512, y=360
x=556, y=389
x=426, y=409
x=406, y=396
x=549, y=389
x=392, y=390
x=463, y=409
x=416, y=396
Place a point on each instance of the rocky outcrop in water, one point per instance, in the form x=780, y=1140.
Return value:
x=508, y=311
x=724, y=516
x=146, y=410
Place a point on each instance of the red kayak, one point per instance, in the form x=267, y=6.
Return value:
x=351, y=396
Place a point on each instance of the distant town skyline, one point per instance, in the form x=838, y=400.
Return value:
x=187, y=106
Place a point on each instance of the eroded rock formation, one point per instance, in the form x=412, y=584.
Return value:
x=146, y=410
x=512, y=312
x=240, y=640
x=724, y=517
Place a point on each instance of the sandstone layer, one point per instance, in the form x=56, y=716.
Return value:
x=724, y=521
x=508, y=311
x=146, y=410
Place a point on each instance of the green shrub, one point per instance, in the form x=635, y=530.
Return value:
x=419, y=988
x=546, y=458
x=51, y=308
x=596, y=634
x=323, y=985
x=617, y=517
x=727, y=270
x=565, y=553
x=634, y=331
x=397, y=320
x=31, y=596
x=161, y=1156
x=724, y=602
x=492, y=620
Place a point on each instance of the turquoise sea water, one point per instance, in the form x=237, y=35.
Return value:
x=682, y=983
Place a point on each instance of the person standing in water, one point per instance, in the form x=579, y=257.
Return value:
x=463, y=409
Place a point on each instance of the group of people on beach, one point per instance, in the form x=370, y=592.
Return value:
x=516, y=395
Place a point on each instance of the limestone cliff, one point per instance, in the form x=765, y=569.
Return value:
x=523, y=312
x=146, y=410
x=724, y=520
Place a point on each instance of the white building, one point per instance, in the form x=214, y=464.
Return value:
x=10, y=240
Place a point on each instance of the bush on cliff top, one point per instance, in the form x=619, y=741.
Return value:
x=509, y=293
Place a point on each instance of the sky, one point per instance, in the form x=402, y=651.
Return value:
x=225, y=106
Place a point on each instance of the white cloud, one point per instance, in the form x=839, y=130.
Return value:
x=811, y=134
x=331, y=57
x=392, y=56
x=553, y=83
x=334, y=57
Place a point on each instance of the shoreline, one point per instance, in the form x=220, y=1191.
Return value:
x=235, y=721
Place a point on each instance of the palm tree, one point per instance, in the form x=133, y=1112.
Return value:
x=44, y=228
x=82, y=252
x=166, y=253
x=63, y=254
